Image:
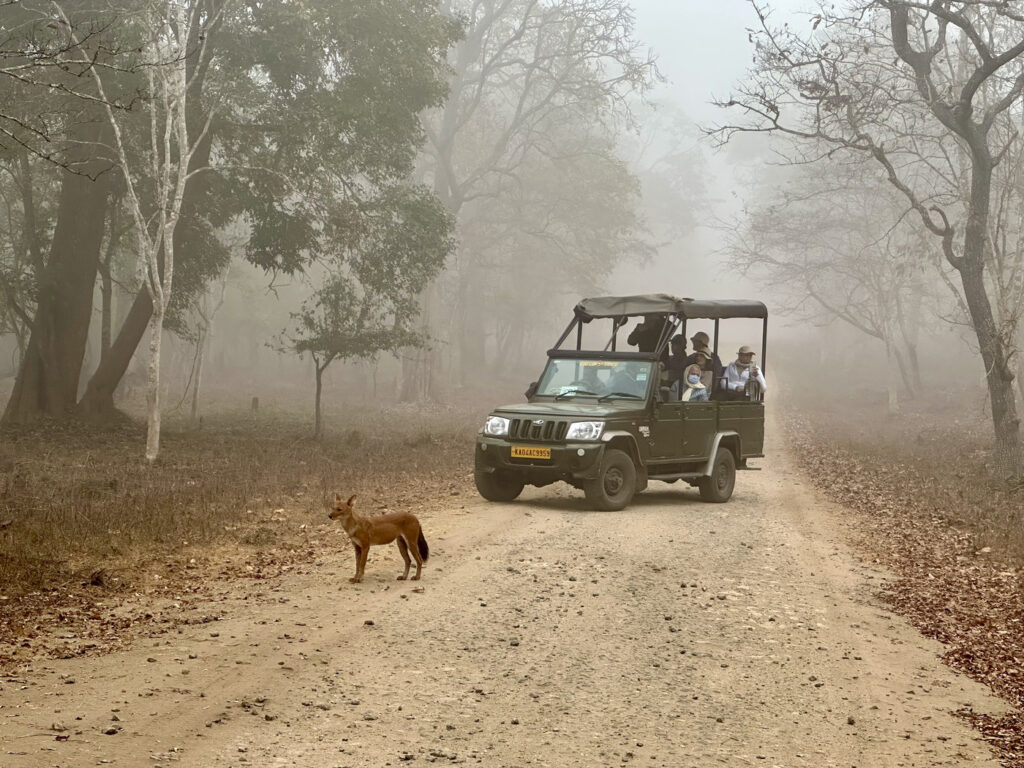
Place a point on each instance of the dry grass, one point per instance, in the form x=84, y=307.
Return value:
x=74, y=499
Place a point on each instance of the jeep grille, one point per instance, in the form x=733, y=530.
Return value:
x=525, y=429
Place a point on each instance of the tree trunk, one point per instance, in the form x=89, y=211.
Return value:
x=1020, y=378
x=319, y=391
x=156, y=329
x=107, y=284
x=47, y=381
x=98, y=398
x=901, y=363
x=971, y=266
x=107, y=309
x=1007, y=454
x=419, y=365
x=197, y=378
x=891, y=380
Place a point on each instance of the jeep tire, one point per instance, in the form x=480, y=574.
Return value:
x=717, y=487
x=498, y=485
x=615, y=484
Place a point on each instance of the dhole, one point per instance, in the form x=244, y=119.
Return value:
x=402, y=527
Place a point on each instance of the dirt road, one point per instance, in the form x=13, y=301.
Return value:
x=675, y=633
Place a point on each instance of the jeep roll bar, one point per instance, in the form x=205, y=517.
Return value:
x=676, y=311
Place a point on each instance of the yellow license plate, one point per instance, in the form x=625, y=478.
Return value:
x=530, y=452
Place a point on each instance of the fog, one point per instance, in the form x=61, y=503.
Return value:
x=417, y=226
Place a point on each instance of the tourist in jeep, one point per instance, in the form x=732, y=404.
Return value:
x=677, y=360
x=741, y=372
x=647, y=334
x=702, y=343
x=693, y=390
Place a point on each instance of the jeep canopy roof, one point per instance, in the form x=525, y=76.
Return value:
x=662, y=303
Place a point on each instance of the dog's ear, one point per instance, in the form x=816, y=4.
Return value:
x=350, y=499
x=337, y=497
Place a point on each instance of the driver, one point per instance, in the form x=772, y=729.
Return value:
x=625, y=379
x=588, y=380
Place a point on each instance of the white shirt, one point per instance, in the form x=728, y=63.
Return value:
x=736, y=378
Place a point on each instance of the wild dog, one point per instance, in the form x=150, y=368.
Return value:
x=402, y=527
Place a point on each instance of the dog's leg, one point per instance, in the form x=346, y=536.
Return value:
x=416, y=553
x=404, y=549
x=364, y=552
x=420, y=552
x=360, y=561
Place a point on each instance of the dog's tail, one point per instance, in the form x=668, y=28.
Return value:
x=421, y=544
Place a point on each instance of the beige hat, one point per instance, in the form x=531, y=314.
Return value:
x=702, y=353
x=745, y=350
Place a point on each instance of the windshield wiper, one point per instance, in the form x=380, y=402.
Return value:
x=620, y=394
x=560, y=395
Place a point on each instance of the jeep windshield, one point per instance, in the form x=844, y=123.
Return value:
x=578, y=378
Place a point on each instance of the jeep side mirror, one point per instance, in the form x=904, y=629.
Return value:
x=531, y=390
x=664, y=394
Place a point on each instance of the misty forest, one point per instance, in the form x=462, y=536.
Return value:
x=534, y=280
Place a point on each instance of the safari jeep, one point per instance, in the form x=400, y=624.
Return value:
x=605, y=420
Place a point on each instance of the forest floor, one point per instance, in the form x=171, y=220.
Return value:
x=919, y=502
x=909, y=499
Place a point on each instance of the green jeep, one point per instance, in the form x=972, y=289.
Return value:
x=606, y=421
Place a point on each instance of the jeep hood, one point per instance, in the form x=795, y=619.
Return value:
x=588, y=409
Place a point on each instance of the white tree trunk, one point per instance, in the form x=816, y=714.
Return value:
x=156, y=328
x=164, y=169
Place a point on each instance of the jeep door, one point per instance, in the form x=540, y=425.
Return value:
x=682, y=431
x=699, y=427
x=666, y=432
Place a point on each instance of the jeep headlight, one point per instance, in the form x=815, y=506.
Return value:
x=496, y=426
x=585, y=430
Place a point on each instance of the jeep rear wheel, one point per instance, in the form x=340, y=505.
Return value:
x=497, y=485
x=614, y=486
x=717, y=487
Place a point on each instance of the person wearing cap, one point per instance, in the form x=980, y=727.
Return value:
x=711, y=362
x=741, y=371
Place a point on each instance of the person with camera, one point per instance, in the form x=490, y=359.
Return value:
x=743, y=374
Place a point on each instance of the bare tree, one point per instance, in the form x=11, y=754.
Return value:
x=525, y=70
x=155, y=184
x=922, y=88
x=838, y=248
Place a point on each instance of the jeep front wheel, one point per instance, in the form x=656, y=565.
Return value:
x=614, y=486
x=498, y=486
x=717, y=487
